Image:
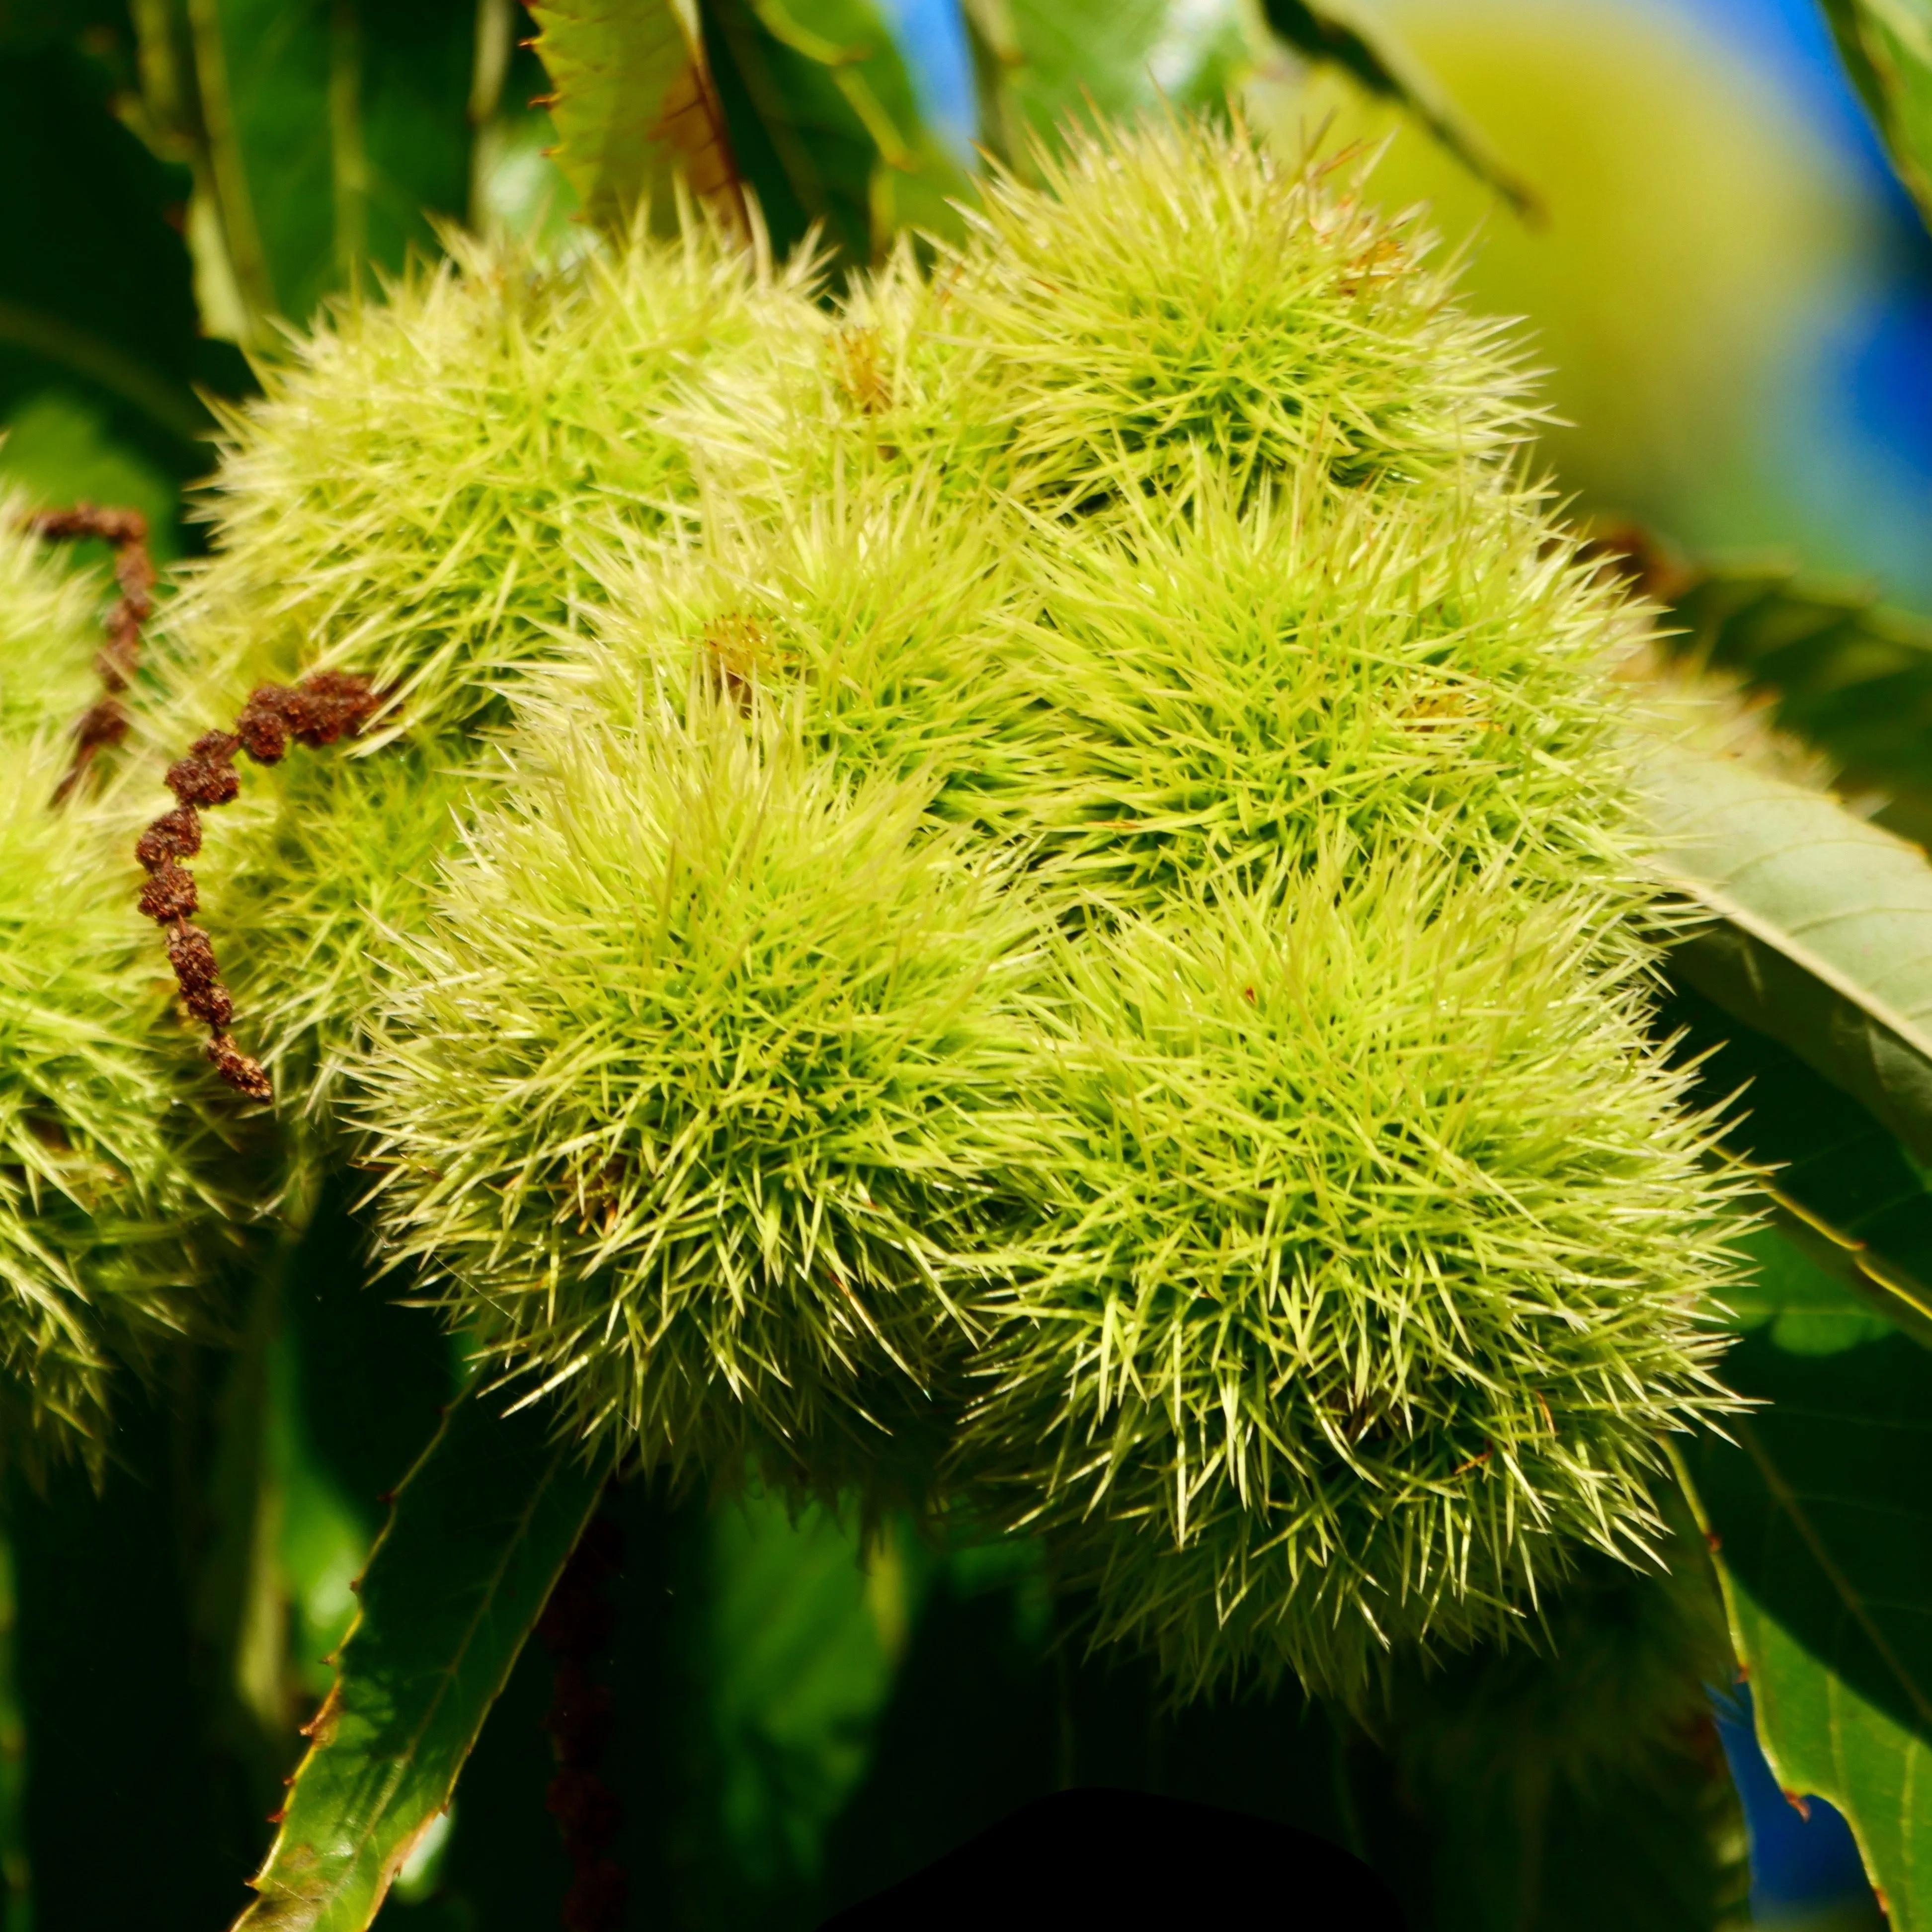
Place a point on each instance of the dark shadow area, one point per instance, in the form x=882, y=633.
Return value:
x=1828, y=1451
x=138, y=1818
x=372, y=1375
x=1133, y=1859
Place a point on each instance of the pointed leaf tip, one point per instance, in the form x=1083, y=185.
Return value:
x=478, y=1531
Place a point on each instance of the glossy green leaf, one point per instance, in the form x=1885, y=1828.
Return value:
x=1808, y=1306
x=479, y=1531
x=1335, y=38
x=634, y=105
x=1821, y=1516
x=825, y=124
x=1839, y=1186
x=1823, y=937
x=98, y=317
x=324, y=137
x=808, y=102
x=1043, y=64
x=1887, y=49
x=1049, y=61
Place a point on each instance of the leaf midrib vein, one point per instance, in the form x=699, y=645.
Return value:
x=1783, y=1495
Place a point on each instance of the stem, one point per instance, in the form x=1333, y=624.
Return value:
x=349, y=158
x=227, y=173
x=575, y=1626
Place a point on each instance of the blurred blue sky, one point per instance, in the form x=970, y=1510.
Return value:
x=1804, y=1863
x=933, y=35
x=1788, y=39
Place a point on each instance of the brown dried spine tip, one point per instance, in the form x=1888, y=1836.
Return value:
x=106, y=722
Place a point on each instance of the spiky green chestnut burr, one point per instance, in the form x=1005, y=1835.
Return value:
x=672, y=1101
x=886, y=626
x=1371, y=1257
x=1291, y=1178
x=419, y=499
x=1235, y=687
x=1161, y=298
x=408, y=499
x=48, y=636
x=105, y=1218
x=1177, y=291
x=1612, y=1675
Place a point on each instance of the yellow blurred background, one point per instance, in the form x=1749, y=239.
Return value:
x=1722, y=280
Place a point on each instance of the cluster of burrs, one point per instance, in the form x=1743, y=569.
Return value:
x=325, y=707
x=126, y=531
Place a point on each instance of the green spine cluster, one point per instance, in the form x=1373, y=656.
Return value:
x=422, y=496
x=1061, y=881
x=702, y=1171
x=108, y=1223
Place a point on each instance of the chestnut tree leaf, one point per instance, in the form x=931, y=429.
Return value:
x=1333, y=37
x=826, y=124
x=1840, y=1188
x=478, y=1531
x=1822, y=933
x=1821, y=1517
x=634, y=104
x=1886, y=46
x=1841, y=671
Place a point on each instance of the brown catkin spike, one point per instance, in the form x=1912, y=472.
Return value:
x=244, y=1075
x=169, y=893
x=106, y=722
x=263, y=732
x=325, y=707
x=174, y=835
x=213, y=1005
x=191, y=953
x=197, y=780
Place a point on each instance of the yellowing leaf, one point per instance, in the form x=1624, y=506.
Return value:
x=634, y=105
